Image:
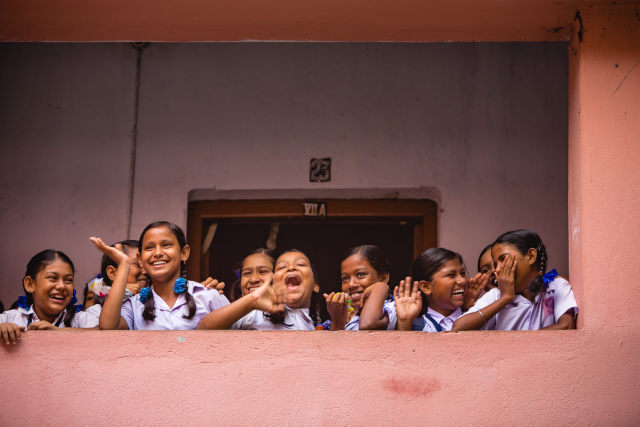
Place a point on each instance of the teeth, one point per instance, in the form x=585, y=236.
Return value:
x=159, y=262
x=460, y=292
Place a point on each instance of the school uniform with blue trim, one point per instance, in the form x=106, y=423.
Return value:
x=295, y=319
x=24, y=317
x=522, y=314
x=432, y=321
x=207, y=300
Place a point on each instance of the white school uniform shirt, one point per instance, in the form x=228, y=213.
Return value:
x=295, y=319
x=206, y=301
x=522, y=314
x=446, y=323
x=389, y=308
x=22, y=317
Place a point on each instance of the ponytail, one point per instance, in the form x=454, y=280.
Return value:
x=191, y=303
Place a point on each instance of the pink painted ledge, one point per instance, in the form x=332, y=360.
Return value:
x=320, y=378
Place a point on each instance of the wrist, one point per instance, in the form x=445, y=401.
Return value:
x=405, y=325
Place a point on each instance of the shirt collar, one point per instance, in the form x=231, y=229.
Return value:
x=439, y=317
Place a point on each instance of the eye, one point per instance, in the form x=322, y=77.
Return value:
x=280, y=266
x=246, y=273
x=361, y=274
x=265, y=271
x=167, y=244
x=345, y=279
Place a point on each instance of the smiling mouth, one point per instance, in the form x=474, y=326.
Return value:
x=157, y=264
x=459, y=292
x=58, y=298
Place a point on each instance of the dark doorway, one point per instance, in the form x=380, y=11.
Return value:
x=323, y=241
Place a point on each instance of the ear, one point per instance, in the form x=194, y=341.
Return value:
x=29, y=284
x=532, y=256
x=385, y=278
x=184, y=253
x=316, y=288
x=425, y=287
x=111, y=273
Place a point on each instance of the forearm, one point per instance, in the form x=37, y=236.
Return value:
x=475, y=320
x=110, y=317
x=566, y=321
x=373, y=315
x=226, y=316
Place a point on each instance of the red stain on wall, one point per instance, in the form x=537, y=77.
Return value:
x=415, y=387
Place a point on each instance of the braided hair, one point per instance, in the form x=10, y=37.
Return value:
x=40, y=261
x=149, y=305
x=524, y=240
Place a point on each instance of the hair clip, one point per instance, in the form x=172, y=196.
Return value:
x=144, y=294
x=180, y=286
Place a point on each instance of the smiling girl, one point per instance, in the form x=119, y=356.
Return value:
x=256, y=269
x=289, y=301
x=364, y=273
x=526, y=298
x=49, y=301
x=168, y=301
x=434, y=300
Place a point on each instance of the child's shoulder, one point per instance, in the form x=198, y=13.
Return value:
x=16, y=316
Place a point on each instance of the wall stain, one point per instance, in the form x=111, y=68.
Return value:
x=415, y=387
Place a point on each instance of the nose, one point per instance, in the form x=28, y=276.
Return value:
x=157, y=251
x=353, y=284
x=254, y=278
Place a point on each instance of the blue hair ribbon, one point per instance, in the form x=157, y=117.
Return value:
x=144, y=294
x=74, y=300
x=180, y=285
x=549, y=277
x=22, y=302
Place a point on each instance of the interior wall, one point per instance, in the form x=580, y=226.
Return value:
x=484, y=124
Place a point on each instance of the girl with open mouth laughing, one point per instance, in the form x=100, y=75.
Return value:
x=49, y=301
x=433, y=302
x=288, y=302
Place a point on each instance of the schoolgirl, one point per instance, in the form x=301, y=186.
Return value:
x=364, y=301
x=255, y=269
x=527, y=297
x=433, y=302
x=288, y=301
x=49, y=301
x=168, y=301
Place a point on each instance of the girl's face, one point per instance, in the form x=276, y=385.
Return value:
x=161, y=255
x=445, y=291
x=357, y=274
x=52, y=289
x=91, y=300
x=137, y=276
x=525, y=264
x=256, y=270
x=294, y=270
x=486, y=266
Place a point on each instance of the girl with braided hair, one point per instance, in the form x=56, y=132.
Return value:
x=169, y=301
x=527, y=297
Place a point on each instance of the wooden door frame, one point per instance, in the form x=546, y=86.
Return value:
x=425, y=232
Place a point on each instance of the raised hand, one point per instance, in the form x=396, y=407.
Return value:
x=338, y=308
x=114, y=252
x=10, y=333
x=41, y=325
x=211, y=283
x=269, y=298
x=473, y=289
x=408, y=301
x=505, y=274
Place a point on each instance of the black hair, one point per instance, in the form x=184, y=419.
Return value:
x=427, y=264
x=40, y=261
x=485, y=249
x=107, y=261
x=149, y=306
x=374, y=255
x=524, y=240
x=235, y=291
x=314, y=304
